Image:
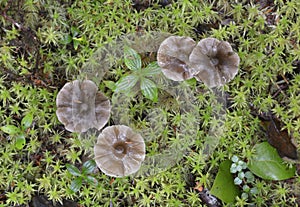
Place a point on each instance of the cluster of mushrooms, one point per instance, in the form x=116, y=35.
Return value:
x=211, y=61
x=119, y=150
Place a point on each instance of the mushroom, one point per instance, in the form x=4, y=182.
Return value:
x=173, y=57
x=213, y=62
x=119, y=151
x=80, y=107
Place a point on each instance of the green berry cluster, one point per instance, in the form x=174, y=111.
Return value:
x=244, y=178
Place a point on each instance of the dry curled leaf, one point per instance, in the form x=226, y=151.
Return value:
x=281, y=140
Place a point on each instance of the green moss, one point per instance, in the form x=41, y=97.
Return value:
x=45, y=43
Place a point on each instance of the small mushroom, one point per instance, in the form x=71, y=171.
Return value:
x=119, y=151
x=214, y=62
x=80, y=107
x=173, y=57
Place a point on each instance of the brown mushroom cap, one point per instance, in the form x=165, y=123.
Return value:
x=173, y=57
x=119, y=151
x=80, y=107
x=214, y=62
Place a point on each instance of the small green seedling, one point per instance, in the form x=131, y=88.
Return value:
x=139, y=75
x=243, y=177
x=73, y=37
x=83, y=175
x=19, y=132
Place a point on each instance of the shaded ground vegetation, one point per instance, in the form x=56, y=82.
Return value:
x=44, y=44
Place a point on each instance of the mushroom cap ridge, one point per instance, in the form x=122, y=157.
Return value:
x=119, y=151
x=81, y=107
x=213, y=62
x=173, y=57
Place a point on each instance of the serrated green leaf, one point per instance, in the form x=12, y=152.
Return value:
x=151, y=69
x=73, y=170
x=20, y=141
x=132, y=59
x=223, y=187
x=27, y=121
x=126, y=83
x=91, y=180
x=88, y=166
x=76, y=184
x=149, y=89
x=10, y=129
x=267, y=164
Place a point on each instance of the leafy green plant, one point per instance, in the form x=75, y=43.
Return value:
x=19, y=132
x=256, y=29
x=73, y=37
x=139, y=75
x=267, y=164
x=223, y=186
x=83, y=175
x=243, y=178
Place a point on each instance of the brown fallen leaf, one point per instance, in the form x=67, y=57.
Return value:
x=281, y=140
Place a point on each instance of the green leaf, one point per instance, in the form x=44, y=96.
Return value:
x=132, y=59
x=111, y=85
x=75, y=31
x=76, y=43
x=88, y=166
x=76, y=184
x=192, y=82
x=126, y=83
x=10, y=129
x=149, y=89
x=20, y=141
x=91, y=180
x=67, y=39
x=27, y=121
x=223, y=186
x=73, y=170
x=151, y=69
x=267, y=164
